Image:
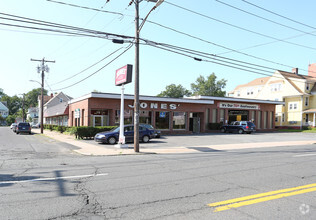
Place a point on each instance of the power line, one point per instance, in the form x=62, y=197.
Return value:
x=287, y=18
x=97, y=70
x=218, y=45
x=82, y=31
x=263, y=18
x=191, y=54
x=241, y=28
x=87, y=67
x=83, y=7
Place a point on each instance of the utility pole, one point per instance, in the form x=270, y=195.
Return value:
x=43, y=68
x=136, y=91
x=23, y=99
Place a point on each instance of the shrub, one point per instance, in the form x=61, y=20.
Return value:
x=214, y=126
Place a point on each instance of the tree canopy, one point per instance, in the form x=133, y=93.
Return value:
x=203, y=86
x=174, y=91
x=32, y=96
x=209, y=86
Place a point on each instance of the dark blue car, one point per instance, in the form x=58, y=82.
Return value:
x=111, y=137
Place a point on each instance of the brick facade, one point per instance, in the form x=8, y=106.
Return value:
x=101, y=109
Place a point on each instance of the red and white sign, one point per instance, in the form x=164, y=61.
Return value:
x=123, y=75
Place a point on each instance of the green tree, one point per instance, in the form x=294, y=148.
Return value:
x=1, y=93
x=174, y=91
x=10, y=119
x=14, y=103
x=32, y=96
x=209, y=86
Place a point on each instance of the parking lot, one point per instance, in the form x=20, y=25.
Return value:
x=215, y=140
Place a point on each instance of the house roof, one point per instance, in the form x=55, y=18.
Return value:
x=310, y=111
x=57, y=96
x=60, y=109
x=296, y=76
x=3, y=107
x=256, y=82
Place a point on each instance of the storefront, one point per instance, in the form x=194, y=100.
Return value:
x=170, y=115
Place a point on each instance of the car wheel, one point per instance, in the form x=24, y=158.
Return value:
x=223, y=130
x=240, y=131
x=112, y=140
x=146, y=138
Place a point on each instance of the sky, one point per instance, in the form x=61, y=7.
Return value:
x=231, y=30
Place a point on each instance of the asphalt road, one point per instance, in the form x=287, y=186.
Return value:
x=42, y=178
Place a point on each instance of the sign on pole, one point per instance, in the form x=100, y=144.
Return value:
x=123, y=75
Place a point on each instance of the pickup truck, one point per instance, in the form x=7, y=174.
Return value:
x=240, y=127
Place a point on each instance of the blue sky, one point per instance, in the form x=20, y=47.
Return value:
x=158, y=68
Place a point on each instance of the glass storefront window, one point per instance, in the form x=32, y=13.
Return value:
x=162, y=120
x=145, y=117
x=128, y=117
x=179, y=120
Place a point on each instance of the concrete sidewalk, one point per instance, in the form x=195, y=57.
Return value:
x=86, y=148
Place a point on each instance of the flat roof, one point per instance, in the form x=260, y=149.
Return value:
x=194, y=99
x=230, y=99
x=141, y=98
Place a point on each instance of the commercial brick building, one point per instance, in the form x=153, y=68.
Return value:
x=171, y=115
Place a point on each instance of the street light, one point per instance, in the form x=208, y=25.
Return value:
x=42, y=104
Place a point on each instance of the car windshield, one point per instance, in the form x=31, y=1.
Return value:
x=117, y=129
x=148, y=126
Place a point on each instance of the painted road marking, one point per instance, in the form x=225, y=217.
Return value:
x=54, y=178
x=262, y=197
x=304, y=155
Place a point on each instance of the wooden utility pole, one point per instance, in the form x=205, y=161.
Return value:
x=42, y=69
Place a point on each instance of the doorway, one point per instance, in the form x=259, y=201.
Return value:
x=195, y=122
x=97, y=120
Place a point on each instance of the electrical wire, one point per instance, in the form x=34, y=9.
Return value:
x=81, y=31
x=241, y=28
x=97, y=70
x=87, y=67
x=263, y=18
x=218, y=45
x=282, y=16
x=83, y=7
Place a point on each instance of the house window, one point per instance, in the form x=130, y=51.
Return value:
x=283, y=117
x=306, y=101
x=238, y=93
x=295, y=106
x=307, y=86
x=290, y=106
x=61, y=100
x=276, y=118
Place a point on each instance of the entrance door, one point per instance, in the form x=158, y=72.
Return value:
x=97, y=121
x=196, y=125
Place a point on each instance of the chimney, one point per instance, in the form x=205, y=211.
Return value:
x=51, y=95
x=312, y=70
x=295, y=71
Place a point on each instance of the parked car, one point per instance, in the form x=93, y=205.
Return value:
x=13, y=125
x=157, y=133
x=240, y=127
x=111, y=137
x=37, y=125
x=23, y=127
